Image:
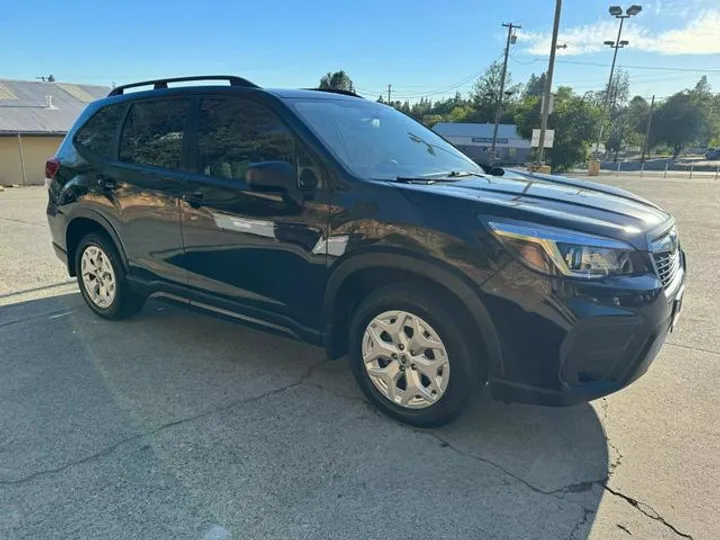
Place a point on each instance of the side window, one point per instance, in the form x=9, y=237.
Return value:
x=96, y=136
x=233, y=133
x=153, y=133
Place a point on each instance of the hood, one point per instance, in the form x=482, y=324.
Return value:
x=553, y=200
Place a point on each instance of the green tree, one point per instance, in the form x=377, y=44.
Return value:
x=618, y=90
x=338, y=80
x=637, y=113
x=574, y=120
x=431, y=119
x=678, y=122
x=421, y=108
x=460, y=114
x=486, y=92
x=705, y=100
x=535, y=86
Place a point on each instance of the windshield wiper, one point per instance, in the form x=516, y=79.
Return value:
x=423, y=179
x=460, y=174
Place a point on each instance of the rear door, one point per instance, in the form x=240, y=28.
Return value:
x=146, y=182
x=259, y=248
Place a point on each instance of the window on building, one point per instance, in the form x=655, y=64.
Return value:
x=97, y=134
x=234, y=133
x=153, y=133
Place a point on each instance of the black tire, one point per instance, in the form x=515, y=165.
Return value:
x=467, y=370
x=126, y=303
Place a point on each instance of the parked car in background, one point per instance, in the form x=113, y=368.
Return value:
x=343, y=222
x=712, y=153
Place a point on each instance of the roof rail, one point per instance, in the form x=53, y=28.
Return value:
x=337, y=91
x=163, y=83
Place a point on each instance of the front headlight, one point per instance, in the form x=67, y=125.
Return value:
x=563, y=252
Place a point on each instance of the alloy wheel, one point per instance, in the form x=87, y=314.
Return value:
x=98, y=276
x=405, y=359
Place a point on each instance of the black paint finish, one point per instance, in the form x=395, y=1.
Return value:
x=285, y=258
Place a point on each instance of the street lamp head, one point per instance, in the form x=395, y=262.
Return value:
x=609, y=43
x=633, y=10
x=624, y=43
x=615, y=11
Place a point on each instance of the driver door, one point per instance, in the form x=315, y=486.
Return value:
x=256, y=249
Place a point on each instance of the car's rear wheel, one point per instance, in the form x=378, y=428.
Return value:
x=101, y=278
x=410, y=357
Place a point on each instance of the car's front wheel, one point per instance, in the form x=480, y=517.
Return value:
x=410, y=358
x=101, y=278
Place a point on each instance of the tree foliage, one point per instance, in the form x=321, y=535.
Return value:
x=678, y=122
x=338, y=80
x=574, y=120
x=535, y=87
x=486, y=92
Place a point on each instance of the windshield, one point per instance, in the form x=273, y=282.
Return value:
x=377, y=142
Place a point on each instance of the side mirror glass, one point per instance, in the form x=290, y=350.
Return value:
x=308, y=180
x=272, y=176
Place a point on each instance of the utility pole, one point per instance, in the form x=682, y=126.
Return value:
x=389, y=92
x=498, y=112
x=647, y=130
x=548, y=81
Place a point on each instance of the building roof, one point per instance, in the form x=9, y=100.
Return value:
x=462, y=129
x=25, y=109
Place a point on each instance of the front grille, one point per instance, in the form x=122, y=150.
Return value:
x=667, y=257
x=667, y=265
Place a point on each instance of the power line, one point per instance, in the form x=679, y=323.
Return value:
x=599, y=64
x=441, y=90
x=430, y=92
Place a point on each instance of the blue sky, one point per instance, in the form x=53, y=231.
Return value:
x=421, y=47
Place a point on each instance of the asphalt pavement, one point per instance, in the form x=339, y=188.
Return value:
x=178, y=425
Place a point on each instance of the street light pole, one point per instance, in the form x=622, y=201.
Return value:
x=548, y=81
x=617, y=12
x=498, y=112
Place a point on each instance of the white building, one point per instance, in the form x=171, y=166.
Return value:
x=475, y=140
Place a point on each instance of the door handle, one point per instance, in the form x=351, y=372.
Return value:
x=104, y=182
x=194, y=199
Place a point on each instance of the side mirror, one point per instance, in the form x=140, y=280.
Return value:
x=308, y=180
x=272, y=176
x=496, y=171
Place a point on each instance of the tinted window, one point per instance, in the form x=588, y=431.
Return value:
x=97, y=134
x=376, y=141
x=233, y=133
x=153, y=133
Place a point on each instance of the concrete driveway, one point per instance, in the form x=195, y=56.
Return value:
x=178, y=425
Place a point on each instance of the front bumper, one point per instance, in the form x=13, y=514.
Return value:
x=565, y=342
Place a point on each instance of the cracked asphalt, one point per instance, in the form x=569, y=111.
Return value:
x=177, y=425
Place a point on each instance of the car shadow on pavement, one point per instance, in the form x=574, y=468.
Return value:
x=260, y=436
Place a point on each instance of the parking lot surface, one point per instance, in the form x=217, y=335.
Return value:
x=177, y=425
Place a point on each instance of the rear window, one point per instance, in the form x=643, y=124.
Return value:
x=96, y=136
x=153, y=133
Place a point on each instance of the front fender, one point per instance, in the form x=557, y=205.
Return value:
x=442, y=274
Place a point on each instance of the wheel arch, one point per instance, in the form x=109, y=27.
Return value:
x=352, y=275
x=84, y=222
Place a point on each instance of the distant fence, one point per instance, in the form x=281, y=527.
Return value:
x=664, y=167
x=668, y=168
x=637, y=169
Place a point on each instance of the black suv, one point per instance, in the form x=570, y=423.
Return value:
x=345, y=223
